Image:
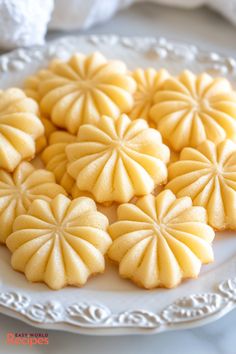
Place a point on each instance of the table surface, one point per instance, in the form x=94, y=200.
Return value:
x=209, y=31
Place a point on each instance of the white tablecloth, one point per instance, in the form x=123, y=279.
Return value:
x=209, y=31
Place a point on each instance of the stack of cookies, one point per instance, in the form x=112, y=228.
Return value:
x=161, y=148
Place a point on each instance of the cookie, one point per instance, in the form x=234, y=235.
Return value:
x=207, y=174
x=43, y=141
x=83, y=88
x=161, y=240
x=149, y=82
x=20, y=127
x=18, y=190
x=117, y=159
x=60, y=242
x=55, y=159
x=31, y=84
x=192, y=108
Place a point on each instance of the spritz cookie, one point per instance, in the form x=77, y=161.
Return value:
x=19, y=128
x=208, y=175
x=75, y=192
x=192, y=108
x=149, y=82
x=118, y=159
x=55, y=159
x=31, y=90
x=60, y=242
x=161, y=240
x=18, y=190
x=83, y=88
x=43, y=141
x=31, y=84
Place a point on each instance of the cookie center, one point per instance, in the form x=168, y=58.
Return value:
x=117, y=144
x=85, y=85
x=217, y=170
x=146, y=96
x=157, y=227
x=20, y=191
x=58, y=229
x=200, y=105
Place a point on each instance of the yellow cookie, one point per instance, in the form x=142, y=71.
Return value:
x=75, y=192
x=80, y=90
x=161, y=240
x=31, y=90
x=49, y=128
x=208, y=175
x=18, y=190
x=61, y=242
x=19, y=128
x=174, y=156
x=118, y=159
x=193, y=108
x=31, y=84
x=149, y=82
x=55, y=159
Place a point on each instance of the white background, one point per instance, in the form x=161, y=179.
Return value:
x=209, y=31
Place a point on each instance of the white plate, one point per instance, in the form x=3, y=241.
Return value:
x=108, y=304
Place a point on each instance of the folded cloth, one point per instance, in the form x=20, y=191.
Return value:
x=83, y=14
x=24, y=23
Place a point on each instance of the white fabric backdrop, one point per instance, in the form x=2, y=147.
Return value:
x=85, y=13
x=25, y=22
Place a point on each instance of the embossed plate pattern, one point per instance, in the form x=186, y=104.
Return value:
x=108, y=304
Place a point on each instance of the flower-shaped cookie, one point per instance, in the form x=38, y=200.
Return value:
x=161, y=240
x=118, y=159
x=80, y=90
x=55, y=159
x=149, y=82
x=18, y=190
x=31, y=85
x=61, y=242
x=191, y=109
x=75, y=192
x=208, y=175
x=19, y=128
x=31, y=91
x=49, y=128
